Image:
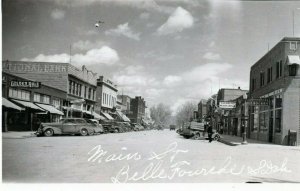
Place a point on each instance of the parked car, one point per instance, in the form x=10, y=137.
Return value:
x=70, y=126
x=98, y=128
x=137, y=127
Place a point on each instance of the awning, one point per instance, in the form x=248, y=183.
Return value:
x=293, y=59
x=97, y=116
x=50, y=108
x=107, y=116
x=28, y=104
x=71, y=108
x=124, y=117
x=87, y=112
x=10, y=104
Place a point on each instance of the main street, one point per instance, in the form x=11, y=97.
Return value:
x=145, y=156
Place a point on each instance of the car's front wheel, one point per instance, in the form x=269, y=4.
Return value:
x=49, y=132
x=84, y=132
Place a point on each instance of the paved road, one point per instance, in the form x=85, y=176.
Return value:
x=147, y=156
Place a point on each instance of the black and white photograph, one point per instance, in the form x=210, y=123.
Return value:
x=109, y=92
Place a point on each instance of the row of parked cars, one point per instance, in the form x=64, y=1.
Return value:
x=84, y=127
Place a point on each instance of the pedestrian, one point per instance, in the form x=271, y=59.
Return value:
x=209, y=132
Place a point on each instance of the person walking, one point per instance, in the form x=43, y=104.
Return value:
x=209, y=132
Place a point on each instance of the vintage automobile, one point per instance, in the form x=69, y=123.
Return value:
x=196, y=130
x=137, y=127
x=71, y=126
x=98, y=129
x=172, y=127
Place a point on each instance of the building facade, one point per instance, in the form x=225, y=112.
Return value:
x=276, y=77
x=202, y=110
x=106, y=96
x=62, y=85
x=138, y=106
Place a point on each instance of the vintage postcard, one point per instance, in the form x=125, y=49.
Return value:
x=150, y=91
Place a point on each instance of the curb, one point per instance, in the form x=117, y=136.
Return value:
x=18, y=137
x=228, y=142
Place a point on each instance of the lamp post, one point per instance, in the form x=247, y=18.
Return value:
x=244, y=125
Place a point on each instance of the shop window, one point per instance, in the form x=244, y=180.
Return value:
x=37, y=97
x=263, y=117
x=278, y=101
x=271, y=102
x=293, y=69
x=278, y=117
x=254, y=118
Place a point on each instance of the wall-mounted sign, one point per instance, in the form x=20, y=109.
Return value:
x=258, y=102
x=35, y=67
x=227, y=104
x=25, y=84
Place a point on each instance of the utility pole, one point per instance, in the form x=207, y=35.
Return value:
x=70, y=53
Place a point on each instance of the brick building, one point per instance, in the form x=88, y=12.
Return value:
x=138, y=106
x=202, y=109
x=276, y=77
x=67, y=88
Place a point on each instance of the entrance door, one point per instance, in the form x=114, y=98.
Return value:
x=271, y=127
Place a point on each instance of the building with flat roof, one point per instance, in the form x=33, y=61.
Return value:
x=106, y=96
x=276, y=78
x=62, y=85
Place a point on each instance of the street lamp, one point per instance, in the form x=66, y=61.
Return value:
x=244, y=120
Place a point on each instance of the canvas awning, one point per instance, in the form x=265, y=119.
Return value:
x=28, y=104
x=122, y=116
x=107, y=116
x=71, y=108
x=10, y=104
x=87, y=112
x=50, y=108
x=97, y=116
x=293, y=59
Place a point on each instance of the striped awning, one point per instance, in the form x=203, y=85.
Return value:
x=50, y=108
x=9, y=104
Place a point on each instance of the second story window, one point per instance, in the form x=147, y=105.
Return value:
x=19, y=94
x=293, y=45
x=262, y=79
x=270, y=74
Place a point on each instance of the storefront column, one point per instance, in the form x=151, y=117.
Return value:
x=31, y=121
x=5, y=128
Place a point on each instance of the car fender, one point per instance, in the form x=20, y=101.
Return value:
x=56, y=130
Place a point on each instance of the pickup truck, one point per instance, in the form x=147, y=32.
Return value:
x=196, y=131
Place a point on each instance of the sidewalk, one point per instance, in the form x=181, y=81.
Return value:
x=235, y=140
x=17, y=134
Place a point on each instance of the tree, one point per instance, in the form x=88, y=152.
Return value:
x=161, y=114
x=185, y=112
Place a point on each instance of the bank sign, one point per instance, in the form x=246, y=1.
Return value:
x=37, y=67
x=227, y=104
x=25, y=84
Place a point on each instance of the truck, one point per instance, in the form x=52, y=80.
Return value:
x=196, y=130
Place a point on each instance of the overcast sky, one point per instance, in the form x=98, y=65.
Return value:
x=166, y=51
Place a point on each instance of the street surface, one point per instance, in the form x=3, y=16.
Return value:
x=145, y=157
